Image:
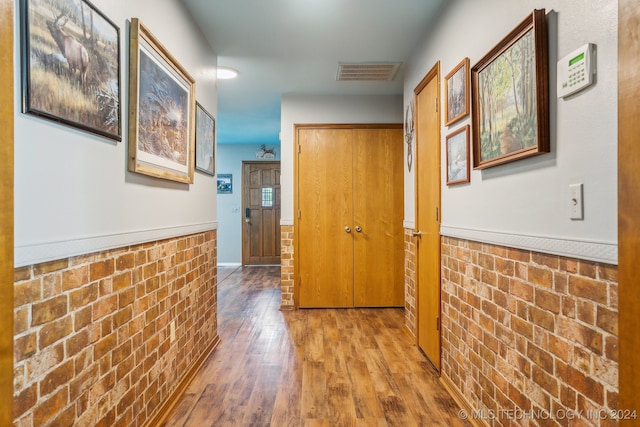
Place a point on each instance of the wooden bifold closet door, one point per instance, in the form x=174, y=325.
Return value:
x=349, y=198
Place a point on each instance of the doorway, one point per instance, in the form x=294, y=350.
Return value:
x=427, y=129
x=261, y=213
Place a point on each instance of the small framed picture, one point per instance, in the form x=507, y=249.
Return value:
x=205, y=141
x=225, y=183
x=457, y=87
x=458, y=156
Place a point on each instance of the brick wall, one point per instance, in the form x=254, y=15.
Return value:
x=410, y=281
x=286, y=267
x=93, y=334
x=530, y=331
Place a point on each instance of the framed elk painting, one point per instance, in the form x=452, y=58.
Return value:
x=71, y=65
x=510, y=90
x=161, y=110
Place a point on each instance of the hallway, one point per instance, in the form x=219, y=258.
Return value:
x=346, y=367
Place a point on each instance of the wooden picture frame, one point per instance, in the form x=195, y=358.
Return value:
x=225, y=183
x=71, y=65
x=521, y=130
x=205, y=141
x=457, y=87
x=161, y=110
x=457, y=145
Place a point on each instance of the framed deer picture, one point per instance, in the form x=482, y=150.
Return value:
x=71, y=65
x=161, y=110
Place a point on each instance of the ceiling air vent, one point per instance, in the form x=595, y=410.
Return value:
x=367, y=71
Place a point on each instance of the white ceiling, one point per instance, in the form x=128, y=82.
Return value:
x=294, y=46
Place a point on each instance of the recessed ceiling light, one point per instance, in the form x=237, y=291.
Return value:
x=226, y=73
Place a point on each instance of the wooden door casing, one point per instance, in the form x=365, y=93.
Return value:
x=379, y=246
x=261, y=233
x=629, y=203
x=325, y=209
x=6, y=209
x=428, y=214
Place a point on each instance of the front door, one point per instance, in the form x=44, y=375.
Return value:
x=428, y=214
x=261, y=213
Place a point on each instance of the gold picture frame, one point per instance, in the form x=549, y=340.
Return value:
x=162, y=107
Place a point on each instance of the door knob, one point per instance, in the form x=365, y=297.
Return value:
x=347, y=229
x=416, y=233
x=358, y=229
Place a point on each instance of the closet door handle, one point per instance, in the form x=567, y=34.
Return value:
x=347, y=229
x=358, y=229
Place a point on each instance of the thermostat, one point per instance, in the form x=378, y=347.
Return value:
x=577, y=70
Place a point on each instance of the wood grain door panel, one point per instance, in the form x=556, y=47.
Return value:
x=261, y=233
x=629, y=202
x=6, y=209
x=378, y=211
x=325, y=194
x=428, y=215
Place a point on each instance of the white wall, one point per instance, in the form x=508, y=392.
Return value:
x=335, y=109
x=73, y=192
x=230, y=216
x=525, y=203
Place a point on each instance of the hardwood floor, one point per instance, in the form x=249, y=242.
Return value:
x=321, y=367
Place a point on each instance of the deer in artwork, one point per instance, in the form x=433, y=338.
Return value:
x=73, y=51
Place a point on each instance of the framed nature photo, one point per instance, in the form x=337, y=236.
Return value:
x=71, y=65
x=205, y=140
x=510, y=88
x=457, y=88
x=458, y=156
x=225, y=183
x=161, y=110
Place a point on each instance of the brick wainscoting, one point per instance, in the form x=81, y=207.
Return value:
x=529, y=331
x=410, y=281
x=106, y=338
x=286, y=267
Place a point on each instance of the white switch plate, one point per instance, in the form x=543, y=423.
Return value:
x=575, y=201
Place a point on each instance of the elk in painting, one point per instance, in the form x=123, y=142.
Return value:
x=74, y=52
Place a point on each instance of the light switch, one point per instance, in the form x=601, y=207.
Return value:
x=575, y=201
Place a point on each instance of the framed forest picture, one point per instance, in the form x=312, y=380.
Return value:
x=510, y=91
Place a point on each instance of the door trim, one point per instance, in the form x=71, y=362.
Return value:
x=6, y=210
x=296, y=207
x=628, y=203
x=433, y=73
